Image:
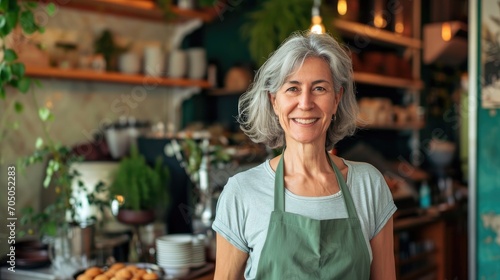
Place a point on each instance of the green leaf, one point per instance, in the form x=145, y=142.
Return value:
x=9, y=55
x=11, y=20
x=39, y=143
x=28, y=22
x=3, y=21
x=18, y=106
x=24, y=84
x=44, y=113
x=51, y=9
x=6, y=74
x=2, y=92
x=18, y=69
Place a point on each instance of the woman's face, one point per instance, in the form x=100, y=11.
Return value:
x=306, y=102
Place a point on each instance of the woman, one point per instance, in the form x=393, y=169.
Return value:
x=304, y=214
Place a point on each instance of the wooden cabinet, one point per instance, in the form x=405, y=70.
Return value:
x=432, y=245
x=419, y=248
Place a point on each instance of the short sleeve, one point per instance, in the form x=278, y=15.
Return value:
x=230, y=216
x=384, y=204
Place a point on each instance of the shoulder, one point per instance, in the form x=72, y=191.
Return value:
x=364, y=178
x=250, y=180
x=362, y=169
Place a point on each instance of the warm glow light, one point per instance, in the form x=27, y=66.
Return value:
x=120, y=199
x=317, y=27
x=399, y=27
x=342, y=7
x=379, y=21
x=446, y=31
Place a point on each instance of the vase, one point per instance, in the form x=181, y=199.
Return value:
x=136, y=219
x=71, y=249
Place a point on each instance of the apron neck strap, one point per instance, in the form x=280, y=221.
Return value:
x=279, y=188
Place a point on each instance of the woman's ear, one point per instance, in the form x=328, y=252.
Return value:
x=272, y=99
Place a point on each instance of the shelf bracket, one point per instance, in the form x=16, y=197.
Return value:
x=179, y=95
x=183, y=29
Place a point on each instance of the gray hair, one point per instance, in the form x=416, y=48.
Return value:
x=255, y=113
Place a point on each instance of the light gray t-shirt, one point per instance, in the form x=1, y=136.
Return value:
x=245, y=205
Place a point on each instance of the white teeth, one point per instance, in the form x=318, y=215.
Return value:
x=305, y=121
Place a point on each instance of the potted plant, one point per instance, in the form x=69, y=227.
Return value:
x=139, y=189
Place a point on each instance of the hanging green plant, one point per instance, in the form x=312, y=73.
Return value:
x=274, y=21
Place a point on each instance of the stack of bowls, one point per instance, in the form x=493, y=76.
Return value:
x=174, y=254
x=198, y=251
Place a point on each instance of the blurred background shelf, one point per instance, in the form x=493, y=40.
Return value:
x=147, y=10
x=354, y=29
x=408, y=126
x=112, y=77
x=386, y=81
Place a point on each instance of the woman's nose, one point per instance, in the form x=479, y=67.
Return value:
x=306, y=100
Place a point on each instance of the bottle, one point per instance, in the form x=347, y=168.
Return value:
x=425, y=195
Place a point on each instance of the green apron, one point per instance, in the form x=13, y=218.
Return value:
x=298, y=247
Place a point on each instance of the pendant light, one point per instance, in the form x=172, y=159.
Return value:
x=316, y=20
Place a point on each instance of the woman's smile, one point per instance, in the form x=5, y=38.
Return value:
x=305, y=121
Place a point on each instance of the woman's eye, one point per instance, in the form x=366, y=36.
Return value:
x=320, y=89
x=292, y=89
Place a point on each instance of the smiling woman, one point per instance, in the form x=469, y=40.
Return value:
x=307, y=100
x=336, y=214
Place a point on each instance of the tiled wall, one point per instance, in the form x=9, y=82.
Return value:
x=80, y=108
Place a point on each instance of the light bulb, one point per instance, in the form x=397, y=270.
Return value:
x=342, y=7
x=446, y=31
x=316, y=26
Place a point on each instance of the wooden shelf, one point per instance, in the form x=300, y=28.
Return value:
x=112, y=77
x=145, y=9
x=354, y=29
x=409, y=126
x=385, y=81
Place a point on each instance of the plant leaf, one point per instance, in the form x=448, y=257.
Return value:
x=39, y=143
x=18, y=69
x=28, y=22
x=2, y=92
x=3, y=21
x=9, y=55
x=44, y=113
x=24, y=84
x=51, y=9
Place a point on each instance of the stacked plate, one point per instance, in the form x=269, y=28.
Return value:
x=174, y=253
x=198, y=251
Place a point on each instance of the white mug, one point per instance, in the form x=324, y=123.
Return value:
x=153, y=61
x=177, y=64
x=197, y=61
x=129, y=63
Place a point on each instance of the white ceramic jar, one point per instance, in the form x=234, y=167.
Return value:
x=197, y=63
x=153, y=61
x=177, y=64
